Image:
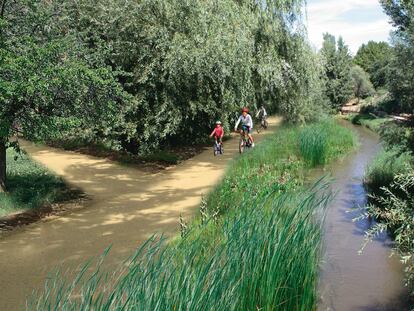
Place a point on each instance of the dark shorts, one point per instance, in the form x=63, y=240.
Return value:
x=246, y=129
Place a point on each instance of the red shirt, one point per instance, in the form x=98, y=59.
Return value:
x=218, y=132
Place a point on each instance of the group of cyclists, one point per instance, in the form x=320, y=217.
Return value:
x=246, y=122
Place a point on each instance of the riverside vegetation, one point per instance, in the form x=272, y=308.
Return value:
x=255, y=244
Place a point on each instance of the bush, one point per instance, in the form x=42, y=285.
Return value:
x=362, y=85
x=394, y=135
x=384, y=168
x=388, y=105
x=395, y=210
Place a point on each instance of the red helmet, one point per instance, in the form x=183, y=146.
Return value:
x=245, y=109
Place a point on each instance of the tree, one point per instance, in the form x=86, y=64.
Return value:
x=401, y=68
x=43, y=81
x=401, y=13
x=185, y=63
x=362, y=85
x=374, y=57
x=337, y=63
x=190, y=62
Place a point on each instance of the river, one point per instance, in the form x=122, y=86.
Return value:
x=349, y=281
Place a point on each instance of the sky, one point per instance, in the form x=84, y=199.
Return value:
x=358, y=21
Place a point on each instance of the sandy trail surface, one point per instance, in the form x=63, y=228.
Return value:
x=127, y=206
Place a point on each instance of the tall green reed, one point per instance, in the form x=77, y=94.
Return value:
x=267, y=259
x=324, y=141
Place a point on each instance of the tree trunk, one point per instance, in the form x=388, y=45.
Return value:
x=2, y=165
x=3, y=8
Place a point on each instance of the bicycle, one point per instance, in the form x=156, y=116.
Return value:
x=218, y=148
x=263, y=124
x=245, y=142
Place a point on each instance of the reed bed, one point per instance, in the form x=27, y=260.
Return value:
x=267, y=257
x=322, y=142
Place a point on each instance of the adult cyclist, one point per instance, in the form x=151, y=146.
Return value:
x=247, y=124
x=261, y=114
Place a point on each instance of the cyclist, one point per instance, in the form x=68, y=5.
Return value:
x=261, y=114
x=218, y=133
x=247, y=124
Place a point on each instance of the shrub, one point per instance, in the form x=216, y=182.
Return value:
x=395, y=210
x=385, y=166
x=362, y=85
x=396, y=135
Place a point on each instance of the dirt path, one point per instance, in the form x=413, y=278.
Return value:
x=127, y=206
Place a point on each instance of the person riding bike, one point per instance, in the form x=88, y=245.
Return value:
x=218, y=133
x=262, y=113
x=247, y=124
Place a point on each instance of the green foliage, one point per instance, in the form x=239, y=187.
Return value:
x=30, y=186
x=189, y=62
x=45, y=79
x=384, y=168
x=401, y=13
x=395, y=209
x=255, y=245
x=374, y=57
x=363, y=87
x=337, y=65
x=43, y=84
x=396, y=135
x=401, y=68
x=369, y=120
x=322, y=142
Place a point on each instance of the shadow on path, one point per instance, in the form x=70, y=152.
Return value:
x=127, y=206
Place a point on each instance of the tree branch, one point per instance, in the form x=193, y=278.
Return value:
x=3, y=8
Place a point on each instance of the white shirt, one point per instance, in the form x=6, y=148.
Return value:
x=262, y=110
x=247, y=121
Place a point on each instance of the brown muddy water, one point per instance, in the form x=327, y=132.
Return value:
x=373, y=280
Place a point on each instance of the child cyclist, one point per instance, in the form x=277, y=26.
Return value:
x=218, y=133
x=247, y=124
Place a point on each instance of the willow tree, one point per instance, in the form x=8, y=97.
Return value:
x=44, y=80
x=187, y=63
